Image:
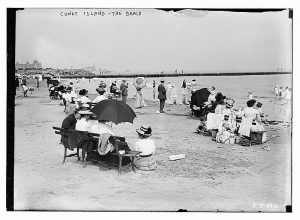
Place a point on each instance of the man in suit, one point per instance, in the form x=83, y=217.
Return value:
x=162, y=96
x=124, y=91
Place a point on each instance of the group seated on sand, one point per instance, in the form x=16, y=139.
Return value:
x=227, y=125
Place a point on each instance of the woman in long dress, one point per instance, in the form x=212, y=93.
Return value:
x=139, y=83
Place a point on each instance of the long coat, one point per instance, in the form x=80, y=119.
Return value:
x=124, y=89
x=162, y=92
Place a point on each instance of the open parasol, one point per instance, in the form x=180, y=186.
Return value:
x=114, y=111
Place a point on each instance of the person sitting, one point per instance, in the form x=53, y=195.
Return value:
x=147, y=147
x=69, y=123
x=83, y=124
x=101, y=96
x=228, y=106
x=83, y=96
x=220, y=107
x=212, y=96
x=258, y=107
x=100, y=127
x=251, y=112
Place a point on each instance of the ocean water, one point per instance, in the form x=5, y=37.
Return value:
x=235, y=87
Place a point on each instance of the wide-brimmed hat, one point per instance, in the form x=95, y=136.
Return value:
x=85, y=112
x=229, y=103
x=83, y=92
x=102, y=85
x=251, y=102
x=144, y=131
x=100, y=90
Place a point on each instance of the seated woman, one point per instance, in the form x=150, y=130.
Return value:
x=83, y=99
x=100, y=127
x=83, y=124
x=251, y=112
x=101, y=96
x=251, y=121
x=146, y=161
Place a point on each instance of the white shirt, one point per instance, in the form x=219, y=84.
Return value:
x=99, y=98
x=251, y=112
x=226, y=111
x=146, y=146
x=211, y=98
x=83, y=125
x=100, y=128
x=84, y=99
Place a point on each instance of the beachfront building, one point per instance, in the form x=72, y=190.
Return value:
x=34, y=65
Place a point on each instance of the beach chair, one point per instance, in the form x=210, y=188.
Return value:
x=117, y=143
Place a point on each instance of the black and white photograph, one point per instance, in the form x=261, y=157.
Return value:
x=150, y=109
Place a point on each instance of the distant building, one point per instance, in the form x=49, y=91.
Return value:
x=90, y=68
x=34, y=65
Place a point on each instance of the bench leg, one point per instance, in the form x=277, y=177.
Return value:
x=78, y=153
x=120, y=165
x=65, y=155
x=132, y=164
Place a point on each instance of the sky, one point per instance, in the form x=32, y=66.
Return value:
x=155, y=40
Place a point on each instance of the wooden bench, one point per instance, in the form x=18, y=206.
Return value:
x=61, y=131
x=130, y=154
x=116, y=141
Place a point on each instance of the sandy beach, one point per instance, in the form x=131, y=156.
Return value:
x=212, y=177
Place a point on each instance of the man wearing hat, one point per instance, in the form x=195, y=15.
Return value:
x=124, y=90
x=147, y=147
x=162, y=96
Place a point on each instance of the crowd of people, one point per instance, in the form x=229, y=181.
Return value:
x=218, y=116
x=280, y=92
x=80, y=118
x=229, y=125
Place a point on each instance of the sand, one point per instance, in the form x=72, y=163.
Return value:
x=212, y=177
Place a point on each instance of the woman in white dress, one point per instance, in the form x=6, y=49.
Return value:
x=139, y=84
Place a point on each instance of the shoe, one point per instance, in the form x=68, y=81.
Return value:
x=162, y=112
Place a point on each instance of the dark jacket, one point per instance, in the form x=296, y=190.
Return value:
x=162, y=92
x=69, y=122
x=124, y=89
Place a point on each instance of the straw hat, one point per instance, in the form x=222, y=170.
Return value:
x=144, y=131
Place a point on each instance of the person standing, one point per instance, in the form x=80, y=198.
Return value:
x=17, y=83
x=37, y=83
x=183, y=92
x=139, y=84
x=162, y=96
x=153, y=89
x=124, y=91
x=169, y=86
x=24, y=81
